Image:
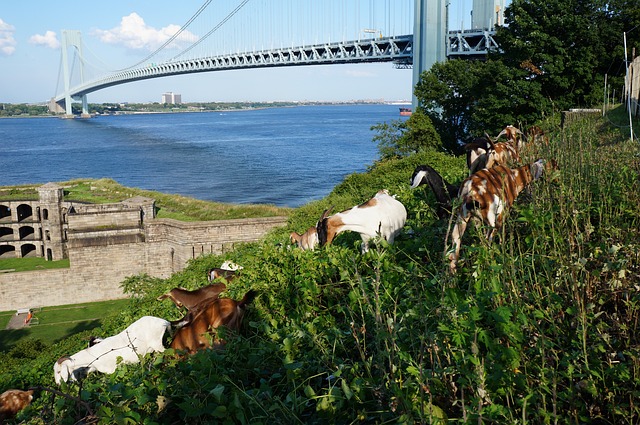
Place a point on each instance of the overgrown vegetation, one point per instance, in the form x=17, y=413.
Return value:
x=537, y=328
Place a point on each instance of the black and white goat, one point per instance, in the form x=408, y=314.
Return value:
x=381, y=215
x=443, y=191
x=142, y=337
x=486, y=195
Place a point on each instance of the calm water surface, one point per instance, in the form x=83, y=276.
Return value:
x=281, y=156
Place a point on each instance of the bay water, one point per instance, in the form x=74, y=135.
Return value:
x=282, y=156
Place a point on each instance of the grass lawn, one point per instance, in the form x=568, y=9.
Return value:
x=35, y=263
x=56, y=323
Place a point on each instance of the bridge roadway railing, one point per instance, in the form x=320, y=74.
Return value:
x=397, y=49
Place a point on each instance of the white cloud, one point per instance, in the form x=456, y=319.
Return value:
x=7, y=42
x=49, y=39
x=134, y=33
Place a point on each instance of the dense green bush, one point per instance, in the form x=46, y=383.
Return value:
x=539, y=327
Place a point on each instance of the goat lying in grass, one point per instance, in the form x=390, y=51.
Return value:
x=443, y=191
x=184, y=298
x=13, y=401
x=381, y=215
x=486, y=195
x=196, y=330
x=143, y=336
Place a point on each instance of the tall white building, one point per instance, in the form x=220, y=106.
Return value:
x=171, y=98
x=487, y=14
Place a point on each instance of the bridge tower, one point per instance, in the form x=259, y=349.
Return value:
x=429, y=37
x=72, y=38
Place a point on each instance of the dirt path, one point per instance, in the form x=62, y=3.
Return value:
x=17, y=321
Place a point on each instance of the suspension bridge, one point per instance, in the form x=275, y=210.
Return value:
x=242, y=34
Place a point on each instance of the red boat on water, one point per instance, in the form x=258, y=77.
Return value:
x=405, y=112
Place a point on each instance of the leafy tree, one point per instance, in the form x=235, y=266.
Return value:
x=403, y=138
x=554, y=55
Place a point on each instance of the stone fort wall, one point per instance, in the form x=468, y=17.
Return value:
x=107, y=243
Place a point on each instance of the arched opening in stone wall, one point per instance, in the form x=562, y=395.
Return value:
x=24, y=211
x=7, y=251
x=6, y=233
x=49, y=254
x=45, y=214
x=5, y=213
x=28, y=250
x=26, y=232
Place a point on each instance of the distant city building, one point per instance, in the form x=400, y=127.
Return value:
x=172, y=98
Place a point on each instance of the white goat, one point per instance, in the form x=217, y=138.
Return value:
x=141, y=337
x=381, y=215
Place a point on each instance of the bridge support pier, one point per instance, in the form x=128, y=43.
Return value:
x=429, y=38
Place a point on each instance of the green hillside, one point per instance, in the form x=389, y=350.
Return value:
x=539, y=327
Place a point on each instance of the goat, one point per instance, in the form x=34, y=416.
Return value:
x=307, y=241
x=228, y=271
x=382, y=214
x=477, y=151
x=219, y=273
x=196, y=329
x=143, y=336
x=486, y=194
x=537, y=135
x=189, y=299
x=13, y=401
x=513, y=135
x=444, y=192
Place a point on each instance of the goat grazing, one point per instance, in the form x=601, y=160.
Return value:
x=486, y=194
x=184, y=298
x=13, y=401
x=382, y=214
x=143, y=336
x=219, y=273
x=196, y=329
x=444, y=192
x=307, y=241
x=227, y=271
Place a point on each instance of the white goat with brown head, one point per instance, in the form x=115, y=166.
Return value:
x=486, y=195
x=381, y=215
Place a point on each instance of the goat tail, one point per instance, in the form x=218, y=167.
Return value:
x=247, y=299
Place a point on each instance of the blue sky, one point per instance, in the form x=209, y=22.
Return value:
x=121, y=33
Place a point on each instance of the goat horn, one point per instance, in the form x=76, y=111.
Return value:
x=326, y=213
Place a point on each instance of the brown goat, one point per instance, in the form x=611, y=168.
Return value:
x=196, y=331
x=487, y=194
x=189, y=299
x=13, y=401
x=307, y=241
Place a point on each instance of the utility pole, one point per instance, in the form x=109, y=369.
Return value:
x=628, y=84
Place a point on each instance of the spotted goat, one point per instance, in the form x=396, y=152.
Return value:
x=486, y=195
x=381, y=215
